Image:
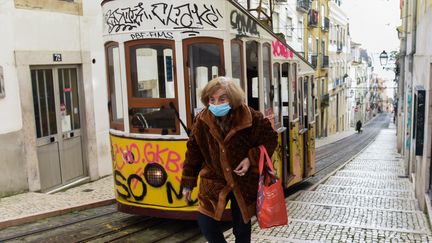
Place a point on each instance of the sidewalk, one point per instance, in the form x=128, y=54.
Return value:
x=368, y=200
x=31, y=206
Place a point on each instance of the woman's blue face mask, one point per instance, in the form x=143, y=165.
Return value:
x=220, y=110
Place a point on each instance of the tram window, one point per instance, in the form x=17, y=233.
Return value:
x=300, y=101
x=162, y=117
x=149, y=79
x=276, y=90
x=268, y=86
x=204, y=62
x=252, y=74
x=285, y=88
x=294, y=88
x=236, y=62
x=312, y=99
x=151, y=87
x=115, y=100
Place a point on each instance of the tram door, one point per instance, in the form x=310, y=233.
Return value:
x=58, y=125
x=203, y=59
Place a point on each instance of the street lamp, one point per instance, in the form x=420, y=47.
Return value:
x=383, y=58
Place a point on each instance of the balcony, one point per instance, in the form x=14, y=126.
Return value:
x=303, y=5
x=313, y=18
x=326, y=25
x=325, y=62
x=314, y=61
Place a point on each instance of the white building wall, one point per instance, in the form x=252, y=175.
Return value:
x=422, y=76
x=10, y=104
x=30, y=37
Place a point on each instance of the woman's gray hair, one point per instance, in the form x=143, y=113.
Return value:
x=234, y=92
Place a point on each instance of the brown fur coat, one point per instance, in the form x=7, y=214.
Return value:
x=213, y=157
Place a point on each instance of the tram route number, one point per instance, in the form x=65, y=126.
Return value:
x=152, y=34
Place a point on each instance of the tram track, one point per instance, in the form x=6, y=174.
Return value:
x=331, y=156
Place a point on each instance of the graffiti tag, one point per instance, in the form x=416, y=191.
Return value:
x=280, y=50
x=245, y=26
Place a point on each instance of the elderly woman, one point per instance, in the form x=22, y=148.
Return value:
x=223, y=150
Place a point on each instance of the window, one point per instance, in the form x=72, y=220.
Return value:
x=289, y=27
x=151, y=86
x=294, y=88
x=237, y=62
x=300, y=30
x=268, y=86
x=204, y=57
x=284, y=88
x=115, y=99
x=276, y=94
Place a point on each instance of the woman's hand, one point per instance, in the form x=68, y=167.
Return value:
x=187, y=194
x=243, y=167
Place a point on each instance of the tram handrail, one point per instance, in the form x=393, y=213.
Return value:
x=172, y=106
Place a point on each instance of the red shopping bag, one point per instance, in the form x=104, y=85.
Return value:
x=271, y=208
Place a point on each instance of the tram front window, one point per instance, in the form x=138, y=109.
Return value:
x=148, y=72
x=151, y=87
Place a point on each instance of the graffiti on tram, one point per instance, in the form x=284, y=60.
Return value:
x=145, y=15
x=145, y=170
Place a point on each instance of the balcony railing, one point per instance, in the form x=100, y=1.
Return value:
x=326, y=24
x=303, y=5
x=325, y=62
x=312, y=18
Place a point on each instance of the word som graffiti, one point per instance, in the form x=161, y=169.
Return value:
x=185, y=16
x=126, y=190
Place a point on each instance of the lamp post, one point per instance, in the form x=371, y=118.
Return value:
x=383, y=57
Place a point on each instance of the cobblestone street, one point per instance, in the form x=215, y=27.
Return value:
x=368, y=200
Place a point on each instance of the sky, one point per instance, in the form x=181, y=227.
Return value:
x=373, y=23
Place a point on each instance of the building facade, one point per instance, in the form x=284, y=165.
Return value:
x=414, y=116
x=338, y=71
x=54, y=123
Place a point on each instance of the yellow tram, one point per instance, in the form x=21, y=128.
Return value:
x=159, y=55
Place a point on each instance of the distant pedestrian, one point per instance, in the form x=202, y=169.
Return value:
x=359, y=126
x=223, y=149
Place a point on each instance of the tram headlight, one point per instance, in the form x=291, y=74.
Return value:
x=155, y=175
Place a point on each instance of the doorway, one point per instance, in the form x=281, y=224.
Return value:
x=56, y=100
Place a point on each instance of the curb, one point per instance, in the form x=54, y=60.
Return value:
x=57, y=212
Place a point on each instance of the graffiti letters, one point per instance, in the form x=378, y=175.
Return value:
x=149, y=153
x=280, y=50
x=152, y=34
x=186, y=16
x=245, y=26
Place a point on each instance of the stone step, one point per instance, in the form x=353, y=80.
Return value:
x=365, y=191
x=306, y=231
x=363, y=201
x=369, y=174
x=401, y=221
x=403, y=185
x=376, y=167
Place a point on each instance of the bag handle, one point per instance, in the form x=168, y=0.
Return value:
x=261, y=161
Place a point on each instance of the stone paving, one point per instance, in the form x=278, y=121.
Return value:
x=369, y=200
x=32, y=204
